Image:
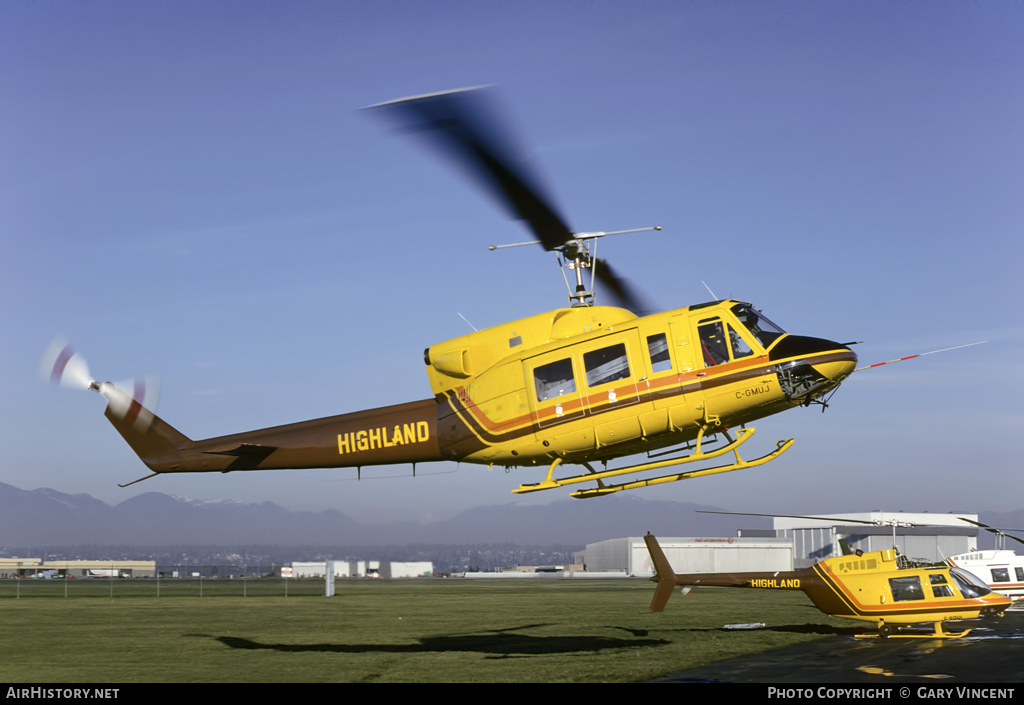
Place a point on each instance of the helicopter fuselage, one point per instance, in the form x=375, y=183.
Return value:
x=595, y=383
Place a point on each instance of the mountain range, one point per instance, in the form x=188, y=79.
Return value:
x=45, y=516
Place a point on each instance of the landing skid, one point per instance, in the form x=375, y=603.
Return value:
x=699, y=454
x=885, y=632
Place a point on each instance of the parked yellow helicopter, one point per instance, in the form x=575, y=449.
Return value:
x=868, y=587
x=578, y=385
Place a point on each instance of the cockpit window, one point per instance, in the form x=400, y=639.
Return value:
x=969, y=584
x=739, y=346
x=763, y=329
x=712, y=342
x=717, y=339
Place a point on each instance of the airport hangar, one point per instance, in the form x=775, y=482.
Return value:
x=792, y=543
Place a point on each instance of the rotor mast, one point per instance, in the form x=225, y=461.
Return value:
x=578, y=254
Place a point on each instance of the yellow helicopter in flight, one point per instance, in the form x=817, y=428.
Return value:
x=578, y=386
x=877, y=587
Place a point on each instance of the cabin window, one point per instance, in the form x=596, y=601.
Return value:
x=904, y=589
x=606, y=365
x=657, y=346
x=554, y=379
x=712, y=342
x=1020, y=574
x=1000, y=575
x=940, y=587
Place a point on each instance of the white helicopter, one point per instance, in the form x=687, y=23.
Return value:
x=1001, y=568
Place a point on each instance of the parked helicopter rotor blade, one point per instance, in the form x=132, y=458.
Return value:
x=464, y=125
x=993, y=530
x=790, y=516
x=623, y=292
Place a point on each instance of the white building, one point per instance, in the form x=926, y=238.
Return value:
x=415, y=569
x=363, y=569
x=690, y=555
x=932, y=537
x=311, y=570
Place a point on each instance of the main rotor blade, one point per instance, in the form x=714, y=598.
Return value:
x=624, y=293
x=464, y=125
x=993, y=530
x=790, y=516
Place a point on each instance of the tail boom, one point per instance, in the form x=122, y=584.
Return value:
x=402, y=433
x=667, y=579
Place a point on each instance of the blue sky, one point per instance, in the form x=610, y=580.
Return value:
x=189, y=189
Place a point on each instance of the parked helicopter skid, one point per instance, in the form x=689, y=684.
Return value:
x=868, y=587
x=577, y=385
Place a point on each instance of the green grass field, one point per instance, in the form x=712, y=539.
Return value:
x=411, y=631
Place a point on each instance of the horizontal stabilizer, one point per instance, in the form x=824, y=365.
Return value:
x=249, y=455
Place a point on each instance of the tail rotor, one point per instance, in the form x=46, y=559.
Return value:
x=133, y=401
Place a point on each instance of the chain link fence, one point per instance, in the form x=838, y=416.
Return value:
x=169, y=581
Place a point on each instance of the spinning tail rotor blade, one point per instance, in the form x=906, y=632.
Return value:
x=122, y=396
x=464, y=126
x=62, y=365
x=133, y=401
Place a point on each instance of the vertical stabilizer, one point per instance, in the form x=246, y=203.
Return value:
x=147, y=434
x=666, y=576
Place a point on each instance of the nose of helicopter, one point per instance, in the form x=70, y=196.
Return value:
x=839, y=365
x=833, y=361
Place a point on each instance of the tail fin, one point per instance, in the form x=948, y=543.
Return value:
x=666, y=576
x=147, y=434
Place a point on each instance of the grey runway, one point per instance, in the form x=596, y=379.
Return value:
x=992, y=653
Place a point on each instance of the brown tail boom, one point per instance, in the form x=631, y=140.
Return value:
x=403, y=433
